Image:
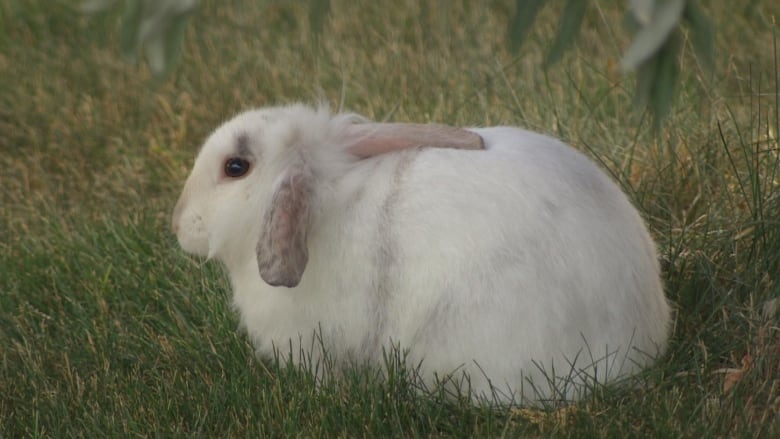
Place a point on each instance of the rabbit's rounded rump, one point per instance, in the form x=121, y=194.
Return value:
x=519, y=262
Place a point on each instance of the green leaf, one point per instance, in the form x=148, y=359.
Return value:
x=642, y=10
x=96, y=6
x=154, y=48
x=666, y=81
x=175, y=39
x=645, y=76
x=520, y=24
x=702, y=34
x=318, y=12
x=163, y=48
x=568, y=29
x=655, y=34
x=157, y=27
x=657, y=79
x=131, y=24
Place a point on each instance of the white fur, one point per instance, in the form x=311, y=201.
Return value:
x=515, y=264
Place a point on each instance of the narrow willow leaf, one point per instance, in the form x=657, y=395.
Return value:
x=520, y=24
x=163, y=49
x=425, y=19
x=131, y=24
x=154, y=49
x=174, y=41
x=318, y=12
x=655, y=34
x=156, y=27
x=645, y=76
x=702, y=34
x=657, y=79
x=567, y=30
x=642, y=10
x=95, y=6
x=666, y=80
x=664, y=86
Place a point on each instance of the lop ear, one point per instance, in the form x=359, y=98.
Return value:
x=380, y=138
x=282, y=253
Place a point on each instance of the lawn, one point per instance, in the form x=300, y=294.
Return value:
x=107, y=329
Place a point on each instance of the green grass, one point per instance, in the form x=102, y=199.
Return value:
x=106, y=329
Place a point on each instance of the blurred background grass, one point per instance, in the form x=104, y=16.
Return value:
x=106, y=329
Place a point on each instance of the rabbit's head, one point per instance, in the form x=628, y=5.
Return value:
x=250, y=191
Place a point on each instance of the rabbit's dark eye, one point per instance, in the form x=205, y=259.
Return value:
x=236, y=167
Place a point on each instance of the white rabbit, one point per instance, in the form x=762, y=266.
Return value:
x=517, y=261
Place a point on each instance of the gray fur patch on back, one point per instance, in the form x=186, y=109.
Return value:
x=385, y=259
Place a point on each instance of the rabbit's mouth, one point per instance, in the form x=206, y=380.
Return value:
x=192, y=236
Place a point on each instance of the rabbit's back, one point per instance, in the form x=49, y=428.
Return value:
x=522, y=256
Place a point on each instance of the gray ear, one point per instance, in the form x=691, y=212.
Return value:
x=281, y=250
x=380, y=138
